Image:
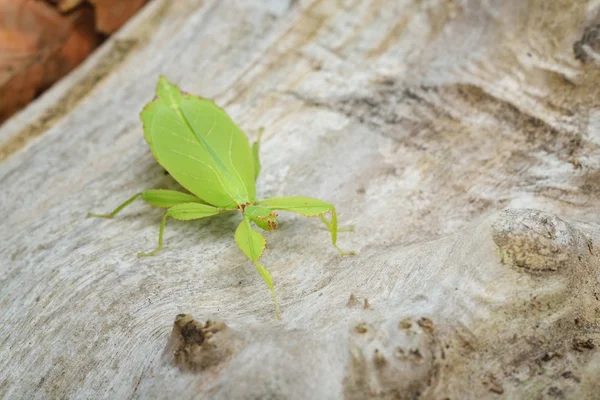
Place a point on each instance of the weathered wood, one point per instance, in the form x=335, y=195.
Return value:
x=421, y=120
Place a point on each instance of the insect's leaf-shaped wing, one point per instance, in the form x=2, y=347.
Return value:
x=174, y=126
x=226, y=141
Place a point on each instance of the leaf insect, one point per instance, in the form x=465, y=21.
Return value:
x=199, y=145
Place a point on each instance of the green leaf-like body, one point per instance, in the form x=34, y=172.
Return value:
x=200, y=146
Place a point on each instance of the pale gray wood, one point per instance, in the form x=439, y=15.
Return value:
x=420, y=120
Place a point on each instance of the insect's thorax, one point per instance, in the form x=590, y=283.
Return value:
x=263, y=217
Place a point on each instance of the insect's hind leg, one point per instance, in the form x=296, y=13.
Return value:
x=328, y=225
x=116, y=210
x=160, y=237
x=333, y=228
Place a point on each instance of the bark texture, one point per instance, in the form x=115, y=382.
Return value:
x=461, y=138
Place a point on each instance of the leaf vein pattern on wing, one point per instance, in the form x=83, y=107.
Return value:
x=202, y=143
x=194, y=177
x=208, y=165
x=231, y=162
x=175, y=121
x=197, y=179
x=207, y=147
x=214, y=123
x=182, y=138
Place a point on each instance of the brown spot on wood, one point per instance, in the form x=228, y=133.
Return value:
x=589, y=45
x=493, y=384
x=582, y=345
x=361, y=328
x=352, y=301
x=379, y=359
x=195, y=346
x=426, y=324
x=406, y=323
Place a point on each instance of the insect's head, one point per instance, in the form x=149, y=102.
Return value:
x=263, y=217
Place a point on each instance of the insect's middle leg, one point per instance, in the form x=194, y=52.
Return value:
x=156, y=197
x=116, y=210
x=183, y=212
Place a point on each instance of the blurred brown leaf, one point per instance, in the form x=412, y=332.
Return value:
x=38, y=46
x=66, y=5
x=41, y=41
x=112, y=14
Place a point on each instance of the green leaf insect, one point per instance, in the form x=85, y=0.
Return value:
x=197, y=143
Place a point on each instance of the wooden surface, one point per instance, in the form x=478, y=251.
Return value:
x=420, y=120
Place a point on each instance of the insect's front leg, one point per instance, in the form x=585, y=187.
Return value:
x=309, y=207
x=183, y=212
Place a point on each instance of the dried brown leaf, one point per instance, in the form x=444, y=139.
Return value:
x=112, y=14
x=38, y=46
